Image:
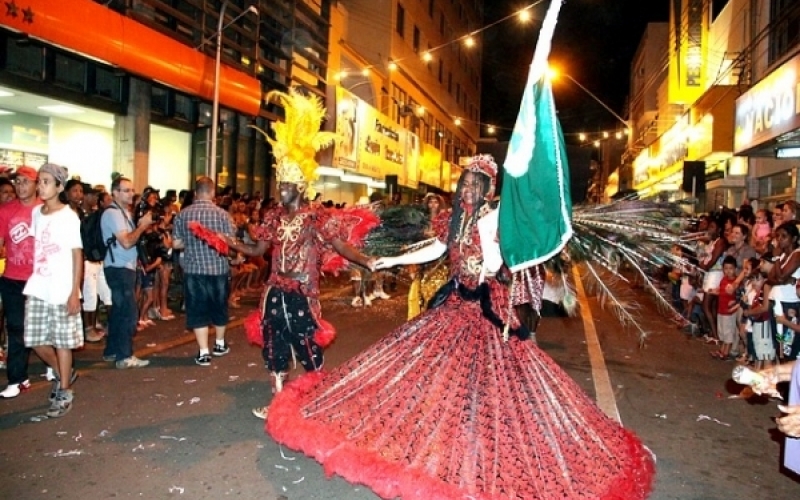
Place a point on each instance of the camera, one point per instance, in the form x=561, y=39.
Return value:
x=156, y=208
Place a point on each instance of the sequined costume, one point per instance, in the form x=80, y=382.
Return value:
x=445, y=407
x=291, y=317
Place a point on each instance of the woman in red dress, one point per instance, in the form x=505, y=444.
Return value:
x=449, y=406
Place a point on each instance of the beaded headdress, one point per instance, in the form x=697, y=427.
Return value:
x=484, y=164
x=298, y=137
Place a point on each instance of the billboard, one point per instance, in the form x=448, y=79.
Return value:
x=372, y=144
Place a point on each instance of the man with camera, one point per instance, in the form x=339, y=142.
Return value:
x=120, y=270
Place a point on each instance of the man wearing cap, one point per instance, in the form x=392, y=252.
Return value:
x=52, y=312
x=16, y=235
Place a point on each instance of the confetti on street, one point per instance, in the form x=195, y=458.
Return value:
x=62, y=453
x=706, y=417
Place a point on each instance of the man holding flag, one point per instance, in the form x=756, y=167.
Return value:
x=457, y=402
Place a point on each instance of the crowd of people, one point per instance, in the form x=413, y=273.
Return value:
x=737, y=285
x=139, y=275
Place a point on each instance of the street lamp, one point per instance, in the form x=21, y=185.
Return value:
x=211, y=161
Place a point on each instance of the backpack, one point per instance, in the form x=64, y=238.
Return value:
x=94, y=247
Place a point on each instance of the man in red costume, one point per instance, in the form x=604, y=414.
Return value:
x=304, y=239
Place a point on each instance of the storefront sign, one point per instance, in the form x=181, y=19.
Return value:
x=430, y=168
x=345, y=154
x=771, y=108
x=410, y=174
x=372, y=144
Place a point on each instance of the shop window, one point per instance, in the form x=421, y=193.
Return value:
x=25, y=58
x=70, y=72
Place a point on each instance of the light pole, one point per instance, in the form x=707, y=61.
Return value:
x=211, y=161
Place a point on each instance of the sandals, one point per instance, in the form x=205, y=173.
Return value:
x=719, y=355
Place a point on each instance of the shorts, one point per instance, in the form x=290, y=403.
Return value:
x=712, y=280
x=727, y=328
x=206, y=297
x=49, y=324
x=147, y=280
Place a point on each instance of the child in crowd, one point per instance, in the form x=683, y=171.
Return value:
x=759, y=329
x=149, y=262
x=762, y=232
x=692, y=304
x=726, y=310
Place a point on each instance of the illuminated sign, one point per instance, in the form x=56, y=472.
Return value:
x=771, y=108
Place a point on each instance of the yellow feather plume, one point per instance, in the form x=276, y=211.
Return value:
x=298, y=138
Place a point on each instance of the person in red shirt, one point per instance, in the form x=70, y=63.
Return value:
x=727, y=306
x=15, y=235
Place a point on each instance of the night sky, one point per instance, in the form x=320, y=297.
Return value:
x=594, y=42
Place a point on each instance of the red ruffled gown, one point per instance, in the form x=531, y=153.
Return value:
x=444, y=408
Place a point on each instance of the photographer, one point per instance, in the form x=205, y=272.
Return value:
x=158, y=245
x=120, y=270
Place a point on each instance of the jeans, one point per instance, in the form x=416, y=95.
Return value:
x=14, y=307
x=123, y=315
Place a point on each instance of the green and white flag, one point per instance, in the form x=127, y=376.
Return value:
x=535, y=202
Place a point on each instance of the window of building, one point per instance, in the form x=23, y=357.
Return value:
x=70, y=72
x=785, y=34
x=431, y=5
x=441, y=23
x=449, y=82
x=417, y=37
x=400, y=26
x=441, y=70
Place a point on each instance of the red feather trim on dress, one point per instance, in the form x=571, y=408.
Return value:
x=253, y=329
x=208, y=236
x=390, y=479
x=355, y=224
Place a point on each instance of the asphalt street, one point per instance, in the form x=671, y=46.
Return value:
x=175, y=429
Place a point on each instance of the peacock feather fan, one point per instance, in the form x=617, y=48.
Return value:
x=625, y=241
x=401, y=227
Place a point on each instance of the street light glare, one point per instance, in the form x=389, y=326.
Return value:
x=552, y=73
x=525, y=15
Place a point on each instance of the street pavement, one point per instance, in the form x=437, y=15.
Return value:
x=175, y=429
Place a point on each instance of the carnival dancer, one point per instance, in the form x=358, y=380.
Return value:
x=304, y=239
x=446, y=407
x=426, y=279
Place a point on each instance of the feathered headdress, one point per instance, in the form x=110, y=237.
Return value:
x=298, y=138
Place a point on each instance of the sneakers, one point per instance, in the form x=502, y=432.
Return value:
x=14, y=390
x=57, y=385
x=357, y=302
x=203, y=359
x=109, y=358
x=261, y=412
x=62, y=404
x=380, y=294
x=221, y=350
x=132, y=362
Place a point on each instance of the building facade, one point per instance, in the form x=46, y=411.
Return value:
x=128, y=85
x=405, y=80
x=722, y=110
